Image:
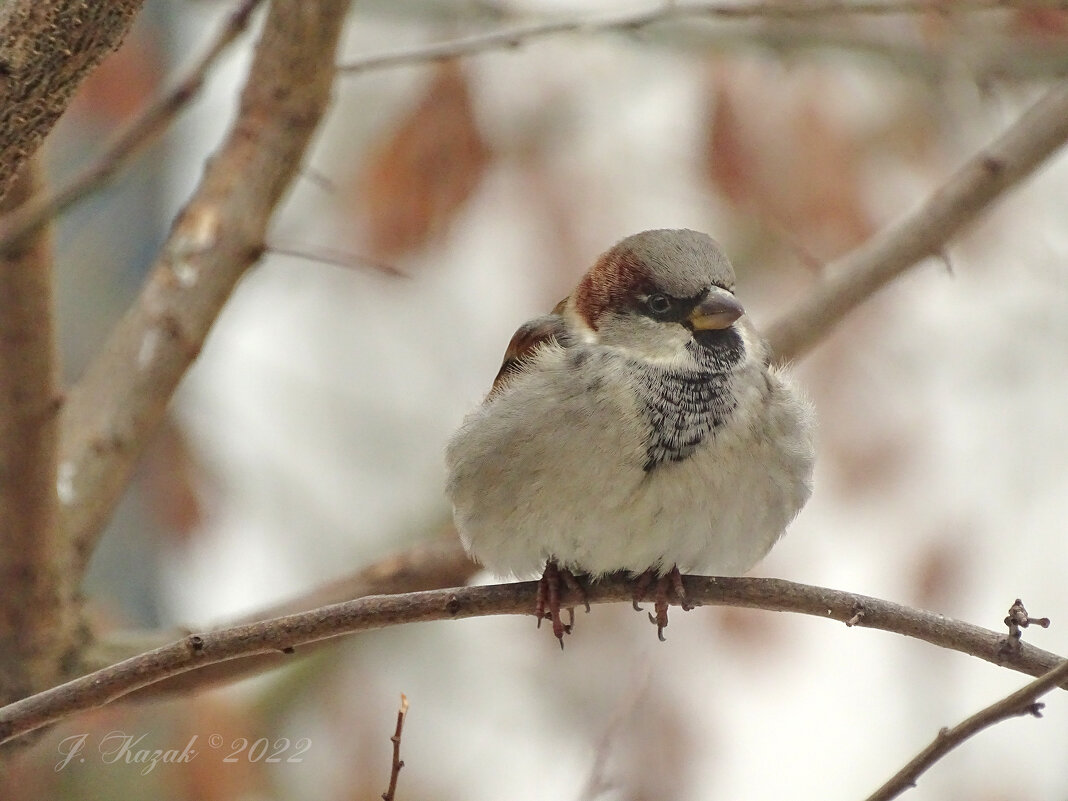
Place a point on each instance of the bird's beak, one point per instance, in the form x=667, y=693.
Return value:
x=716, y=312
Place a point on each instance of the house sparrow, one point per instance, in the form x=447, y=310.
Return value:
x=639, y=427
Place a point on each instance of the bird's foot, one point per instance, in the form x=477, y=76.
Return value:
x=547, y=606
x=669, y=589
x=640, y=586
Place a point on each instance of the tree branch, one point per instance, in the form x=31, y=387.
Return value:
x=287, y=633
x=851, y=280
x=435, y=564
x=1021, y=702
x=47, y=47
x=36, y=615
x=152, y=121
x=632, y=21
x=118, y=403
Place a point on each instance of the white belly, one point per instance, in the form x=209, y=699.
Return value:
x=534, y=476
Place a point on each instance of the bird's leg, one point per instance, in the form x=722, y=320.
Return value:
x=669, y=588
x=547, y=605
x=677, y=589
x=549, y=576
x=575, y=586
x=641, y=585
x=660, y=606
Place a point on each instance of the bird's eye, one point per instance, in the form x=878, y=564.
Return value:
x=658, y=303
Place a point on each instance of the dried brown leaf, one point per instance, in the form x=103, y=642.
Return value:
x=171, y=476
x=786, y=160
x=417, y=179
x=732, y=166
x=1041, y=23
x=750, y=633
x=940, y=573
x=124, y=82
x=224, y=731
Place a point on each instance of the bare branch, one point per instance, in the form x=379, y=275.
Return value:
x=35, y=619
x=857, y=276
x=47, y=47
x=1021, y=702
x=634, y=21
x=152, y=121
x=435, y=564
x=398, y=763
x=285, y=634
x=432, y=565
x=118, y=403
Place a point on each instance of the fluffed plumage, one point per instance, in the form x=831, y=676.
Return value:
x=639, y=427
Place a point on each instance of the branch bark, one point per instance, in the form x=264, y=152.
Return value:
x=142, y=130
x=285, y=634
x=47, y=47
x=431, y=565
x=1021, y=702
x=38, y=609
x=117, y=404
x=1013, y=156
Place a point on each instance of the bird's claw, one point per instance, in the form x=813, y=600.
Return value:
x=669, y=587
x=641, y=585
x=547, y=605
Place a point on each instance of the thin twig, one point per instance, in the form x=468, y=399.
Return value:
x=338, y=258
x=151, y=122
x=1021, y=702
x=398, y=763
x=375, y=612
x=851, y=280
x=637, y=20
x=319, y=178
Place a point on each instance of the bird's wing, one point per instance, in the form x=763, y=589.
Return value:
x=543, y=330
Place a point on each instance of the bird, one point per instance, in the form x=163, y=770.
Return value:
x=640, y=428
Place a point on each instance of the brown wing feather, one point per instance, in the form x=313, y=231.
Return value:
x=528, y=337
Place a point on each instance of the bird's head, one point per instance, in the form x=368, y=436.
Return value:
x=656, y=292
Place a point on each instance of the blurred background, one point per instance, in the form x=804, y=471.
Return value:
x=308, y=439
